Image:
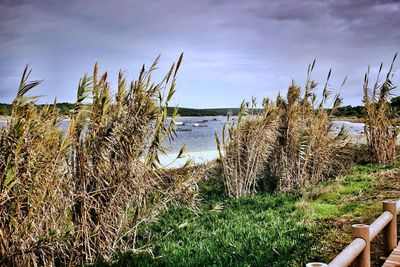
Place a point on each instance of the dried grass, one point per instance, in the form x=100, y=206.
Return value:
x=74, y=198
x=245, y=151
x=380, y=121
x=308, y=151
x=288, y=145
x=33, y=188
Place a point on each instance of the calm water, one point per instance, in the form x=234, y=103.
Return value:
x=197, y=133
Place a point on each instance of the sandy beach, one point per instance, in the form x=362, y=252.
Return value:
x=197, y=157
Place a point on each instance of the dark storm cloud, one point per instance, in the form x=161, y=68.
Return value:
x=233, y=49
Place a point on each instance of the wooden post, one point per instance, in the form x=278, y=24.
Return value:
x=362, y=231
x=390, y=231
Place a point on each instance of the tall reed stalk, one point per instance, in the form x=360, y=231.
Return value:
x=309, y=151
x=33, y=189
x=75, y=197
x=288, y=145
x=114, y=161
x=380, y=122
x=245, y=150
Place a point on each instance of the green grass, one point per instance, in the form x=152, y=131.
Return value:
x=337, y=199
x=262, y=230
x=254, y=231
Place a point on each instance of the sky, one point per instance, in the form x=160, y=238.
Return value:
x=233, y=49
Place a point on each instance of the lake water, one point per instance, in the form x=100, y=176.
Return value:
x=198, y=134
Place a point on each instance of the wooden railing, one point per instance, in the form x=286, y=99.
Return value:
x=358, y=252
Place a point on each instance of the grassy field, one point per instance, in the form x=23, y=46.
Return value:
x=267, y=230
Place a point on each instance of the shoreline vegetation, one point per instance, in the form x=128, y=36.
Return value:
x=348, y=113
x=292, y=229
x=283, y=188
x=336, y=118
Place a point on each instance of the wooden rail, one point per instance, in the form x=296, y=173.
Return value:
x=358, y=252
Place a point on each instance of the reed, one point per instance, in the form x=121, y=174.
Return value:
x=380, y=120
x=308, y=151
x=75, y=197
x=288, y=145
x=116, y=180
x=244, y=152
x=33, y=188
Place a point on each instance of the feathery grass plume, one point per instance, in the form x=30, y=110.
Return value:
x=33, y=185
x=380, y=121
x=246, y=148
x=117, y=182
x=72, y=198
x=307, y=151
x=289, y=144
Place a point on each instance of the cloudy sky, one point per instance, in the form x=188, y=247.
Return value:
x=234, y=49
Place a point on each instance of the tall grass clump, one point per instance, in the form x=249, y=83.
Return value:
x=308, y=151
x=76, y=197
x=34, y=194
x=114, y=162
x=288, y=145
x=246, y=147
x=380, y=121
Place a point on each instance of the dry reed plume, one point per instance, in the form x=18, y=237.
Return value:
x=33, y=188
x=76, y=197
x=244, y=152
x=309, y=151
x=289, y=144
x=380, y=122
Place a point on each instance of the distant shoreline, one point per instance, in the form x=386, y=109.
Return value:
x=348, y=119
x=4, y=118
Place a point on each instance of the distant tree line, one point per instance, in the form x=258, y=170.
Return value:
x=206, y=112
x=64, y=108
x=358, y=111
x=345, y=111
x=349, y=111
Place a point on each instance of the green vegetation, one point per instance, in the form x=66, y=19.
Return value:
x=333, y=199
x=355, y=198
x=5, y=109
x=349, y=111
x=279, y=195
x=267, y=229
x=252, y=231
x=66, y=108
x=207, y=111
x=259, y=230
x=345, y=111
